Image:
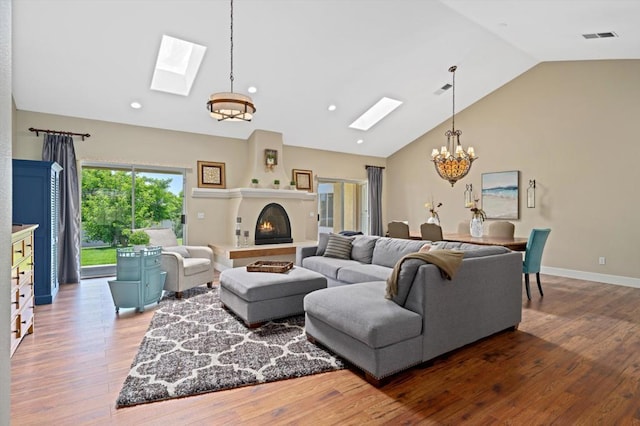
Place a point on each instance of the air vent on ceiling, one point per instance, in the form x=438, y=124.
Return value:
x=600, y=35
x=443, y=89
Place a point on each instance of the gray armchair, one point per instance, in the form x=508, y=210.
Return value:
x=186, y=266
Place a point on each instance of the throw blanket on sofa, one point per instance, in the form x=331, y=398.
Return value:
x=447, y=260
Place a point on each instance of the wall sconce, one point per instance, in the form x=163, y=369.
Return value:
x=531, y=194
x=468, y=195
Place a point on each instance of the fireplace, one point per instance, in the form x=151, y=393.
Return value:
x=273, y=226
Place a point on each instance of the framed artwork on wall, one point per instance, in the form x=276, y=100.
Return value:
x=500, y=195
x=211, y=175
x=303, y=179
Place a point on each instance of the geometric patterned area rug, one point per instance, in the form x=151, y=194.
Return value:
x=194, y=346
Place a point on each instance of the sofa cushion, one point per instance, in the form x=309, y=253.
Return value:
x=181, y=250
x=195, y=265
x=327, y=266
x=323, y=239
x=362, y=312
x=389, y=250
x=362, y=248
x=338, y=247
x=471, y=250
x=363, y=272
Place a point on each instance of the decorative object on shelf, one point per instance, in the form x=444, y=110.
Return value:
x=229, y=105
x=452, y=163
x=303, y=179
x=245, y=242
x=254, y=183
x=531, y=194
x=211, y=175
x=238, y=232
x=477, y=219
x=433, y=213
x=276, y=184
x=292, y=184
x=270, y=159
x=468, y=192
x=500, y=195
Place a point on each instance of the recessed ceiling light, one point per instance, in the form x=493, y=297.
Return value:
x=136, y=105
x=177, y=65
x=376, y=113
x=331, y=107
x=252, y=89
x=359, y=141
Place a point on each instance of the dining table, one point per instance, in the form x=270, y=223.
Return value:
x=514, y=243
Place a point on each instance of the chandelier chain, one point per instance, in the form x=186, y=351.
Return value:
x=231, y=73
x=453, y=92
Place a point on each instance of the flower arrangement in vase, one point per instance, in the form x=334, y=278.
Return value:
x=477, y=218
x=433, y=213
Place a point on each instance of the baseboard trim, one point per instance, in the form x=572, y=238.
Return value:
x=592, y=276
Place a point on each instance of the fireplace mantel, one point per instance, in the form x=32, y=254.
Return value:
x=252, y=193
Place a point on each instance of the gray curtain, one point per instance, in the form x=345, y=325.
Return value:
x=59, y=148
x=374, y=175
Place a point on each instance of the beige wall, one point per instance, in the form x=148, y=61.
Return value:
x=571, y=127
x=125, y=144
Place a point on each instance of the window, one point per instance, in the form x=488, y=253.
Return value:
x=118, y=197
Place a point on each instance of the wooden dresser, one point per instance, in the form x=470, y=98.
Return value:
x=22, y=297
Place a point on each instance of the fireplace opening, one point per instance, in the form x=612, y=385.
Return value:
x=273, y=226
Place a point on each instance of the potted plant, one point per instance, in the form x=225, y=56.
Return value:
x=292, y=184
x=254, y=183
x=276, y=183
x=137, y=239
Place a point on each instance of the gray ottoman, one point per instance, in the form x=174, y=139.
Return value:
x=257, y=297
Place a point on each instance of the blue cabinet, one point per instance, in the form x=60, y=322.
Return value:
x=36, y=199
x=139, y=280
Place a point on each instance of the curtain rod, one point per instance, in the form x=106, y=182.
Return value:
x=367, y=166
x=84, y=135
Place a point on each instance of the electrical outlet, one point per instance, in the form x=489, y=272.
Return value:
x=602, y=260
x=200, y=215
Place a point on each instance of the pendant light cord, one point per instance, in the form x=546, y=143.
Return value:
x=231, y=73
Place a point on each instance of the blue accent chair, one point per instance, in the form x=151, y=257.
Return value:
x=533, y=257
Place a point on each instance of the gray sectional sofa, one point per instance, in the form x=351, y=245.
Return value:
x=429, y=317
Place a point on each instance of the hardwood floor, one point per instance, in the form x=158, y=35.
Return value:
x=575, y=359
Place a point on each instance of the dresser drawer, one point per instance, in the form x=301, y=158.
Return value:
x=21, y=325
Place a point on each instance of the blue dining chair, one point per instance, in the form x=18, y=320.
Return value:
x=533, y=257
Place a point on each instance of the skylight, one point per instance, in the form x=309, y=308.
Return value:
x=177, y=65
x=376, y=113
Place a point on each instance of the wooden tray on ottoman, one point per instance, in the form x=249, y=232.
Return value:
x=269, y=266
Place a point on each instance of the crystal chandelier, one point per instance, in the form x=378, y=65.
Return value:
x=229, y=105
x=452, y=162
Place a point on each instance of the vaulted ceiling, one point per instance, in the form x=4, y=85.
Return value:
x=92, y=58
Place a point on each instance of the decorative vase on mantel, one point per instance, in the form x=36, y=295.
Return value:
x=475, y=227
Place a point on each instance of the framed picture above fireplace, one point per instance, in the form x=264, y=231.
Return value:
x=303, y=179
x=211, y=175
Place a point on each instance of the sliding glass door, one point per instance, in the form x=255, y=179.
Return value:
x=115, y=198
x=342, y=206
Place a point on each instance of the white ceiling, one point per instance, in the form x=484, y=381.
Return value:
x=92, y=58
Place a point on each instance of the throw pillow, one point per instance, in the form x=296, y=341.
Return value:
x=182, y=251
x=322, y=244
x=362, y=248
x=338, y=247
